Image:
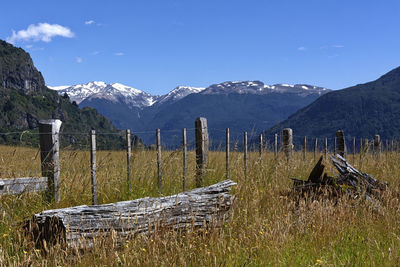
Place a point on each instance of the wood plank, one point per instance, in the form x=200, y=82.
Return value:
x=17, y=186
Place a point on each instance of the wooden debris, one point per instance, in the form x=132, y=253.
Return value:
x=80, y=226
x=349, y=181
x=17, y=186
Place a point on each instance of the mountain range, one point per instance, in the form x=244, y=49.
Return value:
x=362, y=110
x=25, y=99
x=242, y=106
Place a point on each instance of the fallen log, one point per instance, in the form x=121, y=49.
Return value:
x=15, y=186
x=80, y=226
x=350, y=181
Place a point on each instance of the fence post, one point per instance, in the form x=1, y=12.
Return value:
x=361, y=152
x=354, y=149
x=128, y=159
x=304, y=147
x=261, y=145
x=315, y=147
x=377, y=145
x=159, y=167
x=49, y=154
x=341, y=144
x=287, y=139
x=326, y=148
x=93, y=165
x=245, y=153
x=201, y=149
x=184, y=148
x=366, y=145
x=227, y=148
x=276, y=145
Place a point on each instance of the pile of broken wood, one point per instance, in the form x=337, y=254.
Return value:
x=349, y=181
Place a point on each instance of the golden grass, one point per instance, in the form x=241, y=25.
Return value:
x=265, y=227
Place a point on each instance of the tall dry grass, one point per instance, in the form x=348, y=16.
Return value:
x=266, y=228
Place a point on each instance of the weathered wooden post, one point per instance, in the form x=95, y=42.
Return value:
x=315, y=147
x=341, y=143
x=276, y=145
x=245, y=153
x=50, y=153
x=366, y=145
x=361, y=152
x=377, y=145
x=354, y=149
x=227, y=149
x=128, y=159
x=159, y=166
x=201, y=149
x=326, y=148
x=184, y=148
x=93, y=166
x=304, y=147
x=287, y=139
x=260, y=145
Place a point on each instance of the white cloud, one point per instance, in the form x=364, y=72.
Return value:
x=301, y=48
x=89, y=22
x=331, y=46
x=95, y=53
x=40, y=32
x=119, y=54
x=79, y=60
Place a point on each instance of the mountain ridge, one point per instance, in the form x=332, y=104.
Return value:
x=241, y=106
x=100, y=89
x=362, y=110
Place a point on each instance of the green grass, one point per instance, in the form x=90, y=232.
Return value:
x=266, y=228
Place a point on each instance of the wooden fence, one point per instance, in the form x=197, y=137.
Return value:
x=50, y=165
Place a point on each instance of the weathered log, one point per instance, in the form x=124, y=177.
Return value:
x=17, y=186
x=80, y=226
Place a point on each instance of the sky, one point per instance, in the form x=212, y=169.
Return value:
x=155, y=46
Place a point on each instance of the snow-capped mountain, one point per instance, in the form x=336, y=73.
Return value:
x=241, y=105
x=119, y=93
x=115, y=92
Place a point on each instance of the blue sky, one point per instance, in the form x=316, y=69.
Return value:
x=156, y=45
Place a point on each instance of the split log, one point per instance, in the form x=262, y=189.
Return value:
x=15, y=186
x=80, y=226
x=350, y=181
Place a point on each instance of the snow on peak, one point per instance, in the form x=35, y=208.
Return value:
x=179, y=92
x=257, y=87
x=99, y=89
x=120, y=93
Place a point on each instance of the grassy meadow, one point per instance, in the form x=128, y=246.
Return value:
x=266, y=227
